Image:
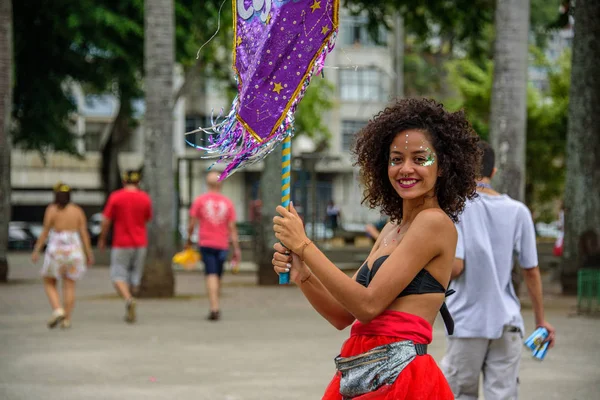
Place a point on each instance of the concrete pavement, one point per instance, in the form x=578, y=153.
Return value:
x=269, y=345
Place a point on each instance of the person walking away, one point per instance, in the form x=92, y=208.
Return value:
x=215, y=214
x=65, y=227
x=128, y=210
x=489, y=329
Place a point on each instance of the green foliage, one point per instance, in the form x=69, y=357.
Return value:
x=45, y=59
x=98, y=45
x=197, y=23
x=546, y=121
x=473, y=83
x=543, y=18
x=309, y=115
x=460, y=22
x=422, y=77
x=546, y=137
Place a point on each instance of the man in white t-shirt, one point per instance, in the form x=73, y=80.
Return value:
x=489, y=329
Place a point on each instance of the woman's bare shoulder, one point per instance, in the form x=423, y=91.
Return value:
x=77, y=210
x=436, y=220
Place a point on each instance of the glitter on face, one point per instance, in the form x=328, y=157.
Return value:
x=430, y=160
x=425, y=159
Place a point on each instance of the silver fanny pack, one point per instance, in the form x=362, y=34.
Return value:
x=367, y=372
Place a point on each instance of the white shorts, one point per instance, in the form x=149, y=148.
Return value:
x=127, y=264
x=498, y=359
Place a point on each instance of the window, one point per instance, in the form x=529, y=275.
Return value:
x=193, y=122
x=349, y=129
x=362, y=85
x=353, y=31
x=93, y=135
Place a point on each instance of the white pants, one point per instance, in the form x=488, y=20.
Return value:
x=497, y=359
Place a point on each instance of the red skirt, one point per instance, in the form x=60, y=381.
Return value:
x=420, y=380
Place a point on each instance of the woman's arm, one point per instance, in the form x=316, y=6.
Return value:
x=418, y=247
x=322, y=301
x=314, y=291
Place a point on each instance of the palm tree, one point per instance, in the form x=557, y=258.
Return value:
x=582, y=188
x=6, y=66
x=509, y=96
x=159, y=62
x=508, y=117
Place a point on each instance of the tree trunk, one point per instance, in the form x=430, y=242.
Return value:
x=270, y=194
x=509, y=96
x=398, y=54
x=582, y=188
x=159, y=61
x=5, y=117
x=508, y=120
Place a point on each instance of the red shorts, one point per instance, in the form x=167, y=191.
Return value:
x=420, y=380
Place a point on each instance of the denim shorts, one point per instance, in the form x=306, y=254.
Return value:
x=213, y=260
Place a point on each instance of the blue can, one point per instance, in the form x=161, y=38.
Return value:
x=536, y=338
x=540, y=351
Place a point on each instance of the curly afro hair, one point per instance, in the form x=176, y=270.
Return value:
x=455, y=144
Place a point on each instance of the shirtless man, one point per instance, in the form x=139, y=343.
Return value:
x=66, y=254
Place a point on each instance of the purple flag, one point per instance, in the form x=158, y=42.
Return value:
x=278, y=46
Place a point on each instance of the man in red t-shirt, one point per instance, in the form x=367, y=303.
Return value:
x=216, y=215
x=128, y=210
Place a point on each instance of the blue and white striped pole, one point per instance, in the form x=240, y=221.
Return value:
x=286, y=169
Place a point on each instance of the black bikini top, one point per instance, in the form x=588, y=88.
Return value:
x=422, y=283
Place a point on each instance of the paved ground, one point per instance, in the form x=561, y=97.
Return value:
x=269, y=345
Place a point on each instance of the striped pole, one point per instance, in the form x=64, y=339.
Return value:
x=286, y=169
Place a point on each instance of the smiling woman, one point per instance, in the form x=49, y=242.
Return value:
x=418, y=164
x=444, y=139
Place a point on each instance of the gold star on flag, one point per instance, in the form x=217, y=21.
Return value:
x=316, y=5
x=277, y=87
x=325, y=29
x=238, y=41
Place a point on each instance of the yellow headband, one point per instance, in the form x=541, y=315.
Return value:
x=132, y=177
x=61, y=187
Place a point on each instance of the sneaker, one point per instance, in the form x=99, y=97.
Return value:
x=130, y=311
x=58, y=316
x=65, y=324
x=214, y=316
